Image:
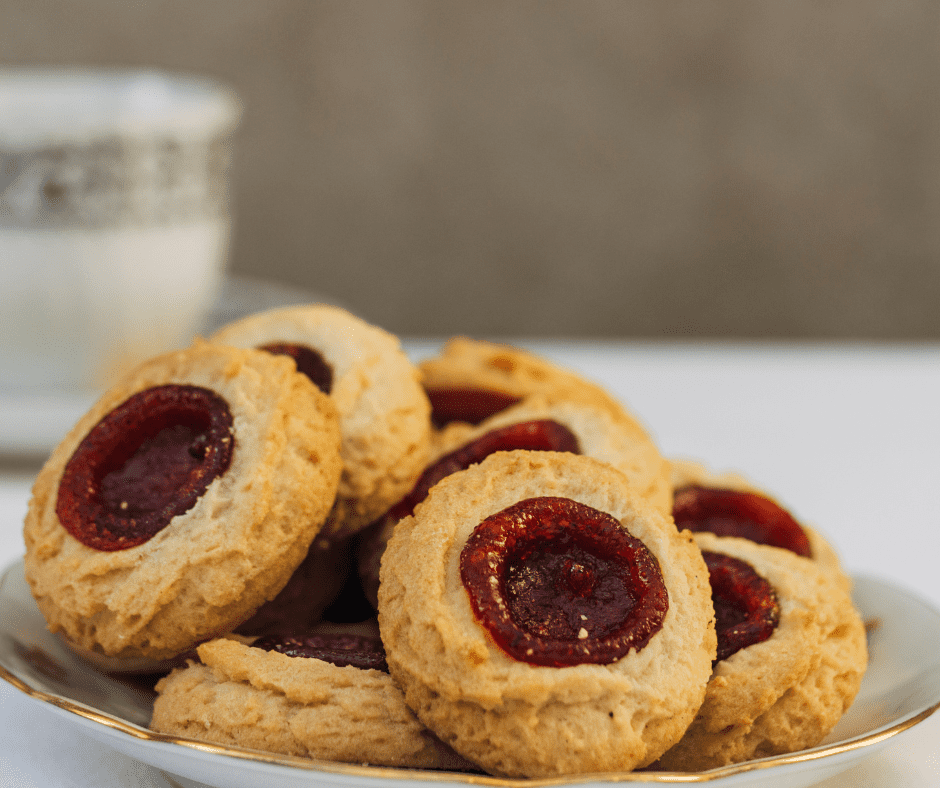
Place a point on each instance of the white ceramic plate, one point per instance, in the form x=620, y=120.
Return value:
x=900, y=689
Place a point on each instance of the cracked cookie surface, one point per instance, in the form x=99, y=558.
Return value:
x=215, y=563
x=383, y=411
x=519, y=719
x=787, y=692
x=597, y=434
x=245, y=697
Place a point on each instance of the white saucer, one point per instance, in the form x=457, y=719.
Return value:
x=901, y=689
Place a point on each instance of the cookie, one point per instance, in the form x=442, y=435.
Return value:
x=384, y=413
x=181, y=501
x=471, y=379
x=591, y=432
x=312, y=588
x=786, y=692
x=616, y=442
x=688, y=474
x=531, y=661
x=244, y=696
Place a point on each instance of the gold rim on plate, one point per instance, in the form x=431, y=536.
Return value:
x=859, y=742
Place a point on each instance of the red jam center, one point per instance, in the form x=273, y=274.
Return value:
x=466, y=404
x=558, y=583
x=147, y=461
x=746, y=607
x=353, y=603
x=742, y=514
x=341, y=650
x=538, y=435
x=308, y=361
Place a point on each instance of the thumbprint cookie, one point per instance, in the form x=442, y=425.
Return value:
x=471, y=379
x=533, y=425
x=791, y=656
x=543, y=619
x=323, y=695
x=383, y=411
x=727, y=504
x=180, y=502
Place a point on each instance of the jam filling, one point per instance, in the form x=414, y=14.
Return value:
x=746, y=606
x=538, y=435
x=742, y=514
x=558, y=583
x=147, y=461
x=342, y=650
x=308, y=361
x=470, y=405
x=352, y=604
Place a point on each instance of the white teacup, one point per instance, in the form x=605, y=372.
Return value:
x=114, y=219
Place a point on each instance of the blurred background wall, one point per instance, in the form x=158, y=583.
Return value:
x=581, y=168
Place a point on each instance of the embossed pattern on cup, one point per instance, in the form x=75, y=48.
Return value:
x=114, y=219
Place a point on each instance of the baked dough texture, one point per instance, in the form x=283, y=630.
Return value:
x=212, y=566
x=686, y=472
x=514, y=718
x=618, y=443
x=262, y=700
x=786, y=693
x=384, y=413
x=622, y=444
x=506, y=369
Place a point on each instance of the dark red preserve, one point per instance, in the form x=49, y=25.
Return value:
x=746, y=606
x=472, y=405
x=342, y=650
x=558, y=583
x=736, y=513
x=147, y=461
x=537, y=435
x=308, y=361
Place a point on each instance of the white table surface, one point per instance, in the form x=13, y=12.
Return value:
x=847, y=436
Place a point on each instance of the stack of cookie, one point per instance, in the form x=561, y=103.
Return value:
x=480, y=563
